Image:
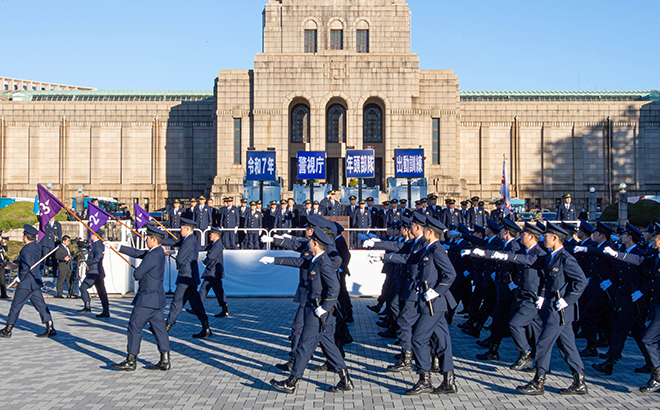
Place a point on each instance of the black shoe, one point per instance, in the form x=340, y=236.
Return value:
x=644, y=369
x=383, y=324
x=489, y=355
x=404, y=362
x=288, y=365
x=104, y=314
x=222, y=314
x=350, y=319
x=580, y=335
x=163, y=364
x=128, y=365
x=59, y=296
x=4, y=297
x=602, y=343
x=325, y=367
x=345, y=383
x=577, y=387
x=206, y=332
x=375, y=308
x=654, y=382
x=533, y=388
x=589, y=351
x=6, y=332
x=524, y=361
x=192, y=312
x=86, y=310
x=50, y=330
x=474, y=332
x=484, y=343
x=388, y=334
x=468, y=324
x=448, y=385
x=603, y=356
x=287, y=386
x=435, y=364
x=606, y=367
x=423, y=385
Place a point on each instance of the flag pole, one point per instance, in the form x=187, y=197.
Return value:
x=97, y=235
x=161, y=225
x=134, y=231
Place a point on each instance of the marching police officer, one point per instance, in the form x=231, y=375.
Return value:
x=214, y=272
x=149, y=302
x=95, y=276
x=29, y=285
x=652, y=335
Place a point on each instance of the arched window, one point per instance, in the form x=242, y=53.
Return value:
x=300, y=123
x=372, y=124
x=336, y=125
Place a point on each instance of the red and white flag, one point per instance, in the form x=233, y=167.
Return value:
x=504, y=190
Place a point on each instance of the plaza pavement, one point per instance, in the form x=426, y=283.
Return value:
x=232, y=369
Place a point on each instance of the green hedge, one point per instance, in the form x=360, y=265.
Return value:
x=641, y=213
x=20, y=213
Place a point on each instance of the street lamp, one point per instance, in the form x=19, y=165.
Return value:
x=623, y=204
x=592, y=204
x=80, y=204
x=49, y=186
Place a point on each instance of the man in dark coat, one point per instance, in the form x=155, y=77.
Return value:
x=95, y=276
x=63, y=256
x=214, y=272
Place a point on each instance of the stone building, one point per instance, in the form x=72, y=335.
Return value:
x=332, y=74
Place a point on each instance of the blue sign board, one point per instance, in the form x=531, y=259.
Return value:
x=360, y=163
x=311, y=164
x=409, y=163
x=260, y=166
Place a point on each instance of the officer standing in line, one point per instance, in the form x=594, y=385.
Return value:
x=149, y=302
x=214, y=220
x=253, y=220
x=205, y=215
x=242, y=212
x=361, y=220
x=465, y=215
x=330, y=206
x=652, y=335
x=564, y=284
x=214, y=272
x=322, y=293
x=295, y=216
x=29, y=285
x=394, y=214
x=432, y=205
x=197, y=211
x=566, y=211
x=189, y=213
x=230, y=219
x=284, y=217
x=450, y=215
x=270, y=215
x=373, y=212
x=383, y=215
x=187, y=279
x=315, y=208
x=95, y=276
x=63, y=256
x=174, y=215
x=307, y=211
x=435, y=276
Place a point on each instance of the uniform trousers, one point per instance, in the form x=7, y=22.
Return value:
x=406, y=322
x=139, y=318
x=251, y=240
x=502, y=313
x=182, y=294
x=21, y=297
x=344, y=299
x=652, y=336
x=297, y=327
x=552, y=332
x=598, y=306
x=427, y=326
x=229, y=240
x=312, y=335
x=62, y=277
x=3, y=280
x=216, y=285
x=523, y=327
x=628, y=321
x=99, y=283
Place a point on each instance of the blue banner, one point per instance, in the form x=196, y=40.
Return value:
x=311, y=164
x=260, y=166
x=360, y=163
x=409, y=163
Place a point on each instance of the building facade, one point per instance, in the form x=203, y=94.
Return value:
x=331, y=75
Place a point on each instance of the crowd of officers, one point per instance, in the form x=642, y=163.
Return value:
x=284, y=216
x=541, y=283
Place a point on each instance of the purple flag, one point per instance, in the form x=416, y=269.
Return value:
x=141, y=216
x=97, y=217
x=49, y=206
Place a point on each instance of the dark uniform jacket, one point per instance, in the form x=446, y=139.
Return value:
x=344, y=254
x=477, y=216
x=323, y=284
x=52, y=236
x=95, y=259
x=186, y=260
x=564, y=214
x=253, y=221
x=328, y=209
x=529, y=278
x=174, y=218
x=361, y=218
x=350, y=212
x=401, y=253
x=451, y=217
x=60, y=254
x=150, y=276
x=205, y=217
x=30, y=279
x=436, y=270
x=373, y=212
x=229, y=217
x=215, y=267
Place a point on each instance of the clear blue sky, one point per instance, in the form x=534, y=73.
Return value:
x=181, y=45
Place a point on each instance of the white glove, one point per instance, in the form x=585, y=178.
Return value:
x=466, y=274
x=319, y=311
x=430, y=295
x=539, y=302
x=276, y=236
x=512, y=286
x=267, y=239
x=369, y=243
x=610, y=251
x=267, y=259
x=479, y=252
x=465, y=252
x=375, y=238
x=501, y=256
x=287, y=236
x=492, y=276
x=444, y=245
x=579, y=249
x=605, y=284
x=636, y=296
x=363, y=236
x=561, y=304
x=236, y=230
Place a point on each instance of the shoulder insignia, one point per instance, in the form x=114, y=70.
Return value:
x=306, y=253
x=312, y=273
x=256, y=215
x=426, y=258
x=555, y=269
